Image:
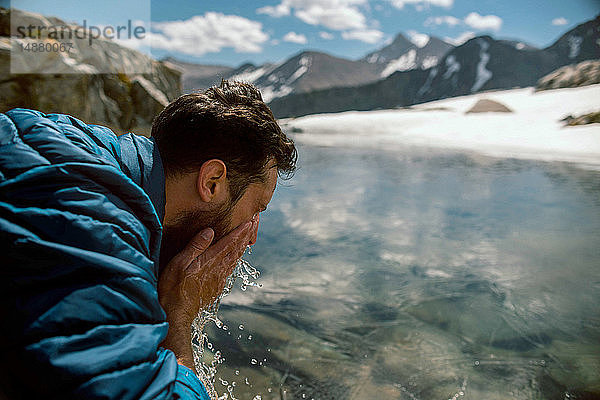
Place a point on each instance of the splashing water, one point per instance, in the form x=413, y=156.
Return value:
x=206, y=373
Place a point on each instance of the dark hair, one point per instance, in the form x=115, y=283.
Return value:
x=230, y=123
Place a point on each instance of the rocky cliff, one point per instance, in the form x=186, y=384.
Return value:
x=119, y=99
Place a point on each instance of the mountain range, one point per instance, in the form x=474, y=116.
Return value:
x=308, y=71
x=482, y=63
x=405, y=72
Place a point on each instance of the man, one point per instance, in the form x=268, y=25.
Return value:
x=111, y=246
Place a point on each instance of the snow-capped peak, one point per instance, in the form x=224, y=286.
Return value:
x=418, y=39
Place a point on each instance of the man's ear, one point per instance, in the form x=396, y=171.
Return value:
x=212, y=180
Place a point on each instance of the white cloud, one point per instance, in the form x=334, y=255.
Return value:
x=483, y=22
x=277, y=11
x=364, y=35
x=419, y=39
x=559, y=21
x=209, y=33
x=294, y=37
x=446, y=19
x=326, y=35
x=333, y=18
x=460, y=39
x=420, y=5
x=333, y=14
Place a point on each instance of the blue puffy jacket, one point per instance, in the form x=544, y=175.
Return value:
x=80, y=231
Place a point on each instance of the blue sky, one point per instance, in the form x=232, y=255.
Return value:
x=231, y=32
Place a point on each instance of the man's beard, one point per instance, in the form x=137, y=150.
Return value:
x=187, y=224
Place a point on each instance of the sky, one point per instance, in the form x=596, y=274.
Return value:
x=232, y=32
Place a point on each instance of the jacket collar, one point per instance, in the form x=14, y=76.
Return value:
x=141, y=161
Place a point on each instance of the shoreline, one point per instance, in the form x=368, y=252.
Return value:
x=533, y=130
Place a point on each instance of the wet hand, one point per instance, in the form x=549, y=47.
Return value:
x=194, y=278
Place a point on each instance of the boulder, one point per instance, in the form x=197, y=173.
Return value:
x=585, y=119
x=487, y=105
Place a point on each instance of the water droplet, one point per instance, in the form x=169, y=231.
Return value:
x=247, y=275
x=241, y=327
x=246, y=381
x=249, y=337
x=477, y=362
x=269, y=390
x=303, y=395
x=254, y=361
x=237, y=372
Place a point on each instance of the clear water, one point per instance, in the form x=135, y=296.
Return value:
x=420, y=275
x=207, y=370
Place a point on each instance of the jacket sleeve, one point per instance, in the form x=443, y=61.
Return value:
x=78, y=284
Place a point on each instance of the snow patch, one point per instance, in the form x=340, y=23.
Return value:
x=304, y=63
x=574, y=45
x=483, y=75
x=270, y=92
x=533, y=131
x=452, y=66
x=299, y=72
x=418, y=39
x=373, y=58
x=427, y=84
x=405, y=62
x=520, y=46
x=428, y=62
x=249, y=75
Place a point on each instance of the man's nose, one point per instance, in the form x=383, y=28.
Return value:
x=254, y=236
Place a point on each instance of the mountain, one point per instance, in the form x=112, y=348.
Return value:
x=480, y=64
x=198, y=76
x=483, y=63
x=308, y=71
x=105, y=84
x=312, y=70
x=579, y=44
x=404, y=55
x=303, y=72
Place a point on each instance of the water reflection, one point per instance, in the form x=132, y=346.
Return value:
x=421, y=275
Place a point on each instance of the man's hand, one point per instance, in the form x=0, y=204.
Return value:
x=192, y=281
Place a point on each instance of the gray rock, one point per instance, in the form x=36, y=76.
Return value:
x=487, y=105
x=582, y=74
x=133, y=89
x=585, y=119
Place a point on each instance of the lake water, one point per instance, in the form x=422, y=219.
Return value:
x=420, y=274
